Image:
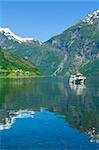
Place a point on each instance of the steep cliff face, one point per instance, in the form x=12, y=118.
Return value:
x=80, y=43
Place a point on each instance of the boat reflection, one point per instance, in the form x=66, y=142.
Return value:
x=79, y=89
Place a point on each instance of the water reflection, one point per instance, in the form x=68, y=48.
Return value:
x=79, y=89
x=78, y=104
x=94, y=136
x=11, y=117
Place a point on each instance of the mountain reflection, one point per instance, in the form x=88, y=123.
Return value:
x=78, y=104
x=12, y=116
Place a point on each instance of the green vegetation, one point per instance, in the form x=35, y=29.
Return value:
x=91, y=68
x=81, y=45
x=12, y=66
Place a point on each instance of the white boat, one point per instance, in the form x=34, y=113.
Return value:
x=77, y=79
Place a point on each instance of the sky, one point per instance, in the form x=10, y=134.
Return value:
x=43, y=19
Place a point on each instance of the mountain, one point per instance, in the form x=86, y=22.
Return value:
x=15, y=66
x=80, y=43
x=76, y=49
x=45, y=57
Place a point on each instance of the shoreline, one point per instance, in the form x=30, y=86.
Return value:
x=24, y=77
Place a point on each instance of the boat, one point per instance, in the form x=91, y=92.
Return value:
x=78, y=78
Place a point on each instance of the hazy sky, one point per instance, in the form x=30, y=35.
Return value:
x=42, y=19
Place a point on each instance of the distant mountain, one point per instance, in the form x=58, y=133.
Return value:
x=76, y=49
x=11, y=36
x=45, y=57
x=15, y=66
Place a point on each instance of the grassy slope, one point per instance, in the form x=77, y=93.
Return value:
x=10, y=62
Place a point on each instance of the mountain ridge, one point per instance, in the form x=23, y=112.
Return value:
x=11, y=35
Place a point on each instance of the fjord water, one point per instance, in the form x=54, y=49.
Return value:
x=49, y=114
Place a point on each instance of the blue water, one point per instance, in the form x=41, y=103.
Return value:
x=45, y=131
x=53, y=128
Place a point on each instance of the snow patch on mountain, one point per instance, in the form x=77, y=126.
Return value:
x=90, y=18
x=8, y=33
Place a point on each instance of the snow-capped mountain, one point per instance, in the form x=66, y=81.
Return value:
x=90, y=18
x=11, y=36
